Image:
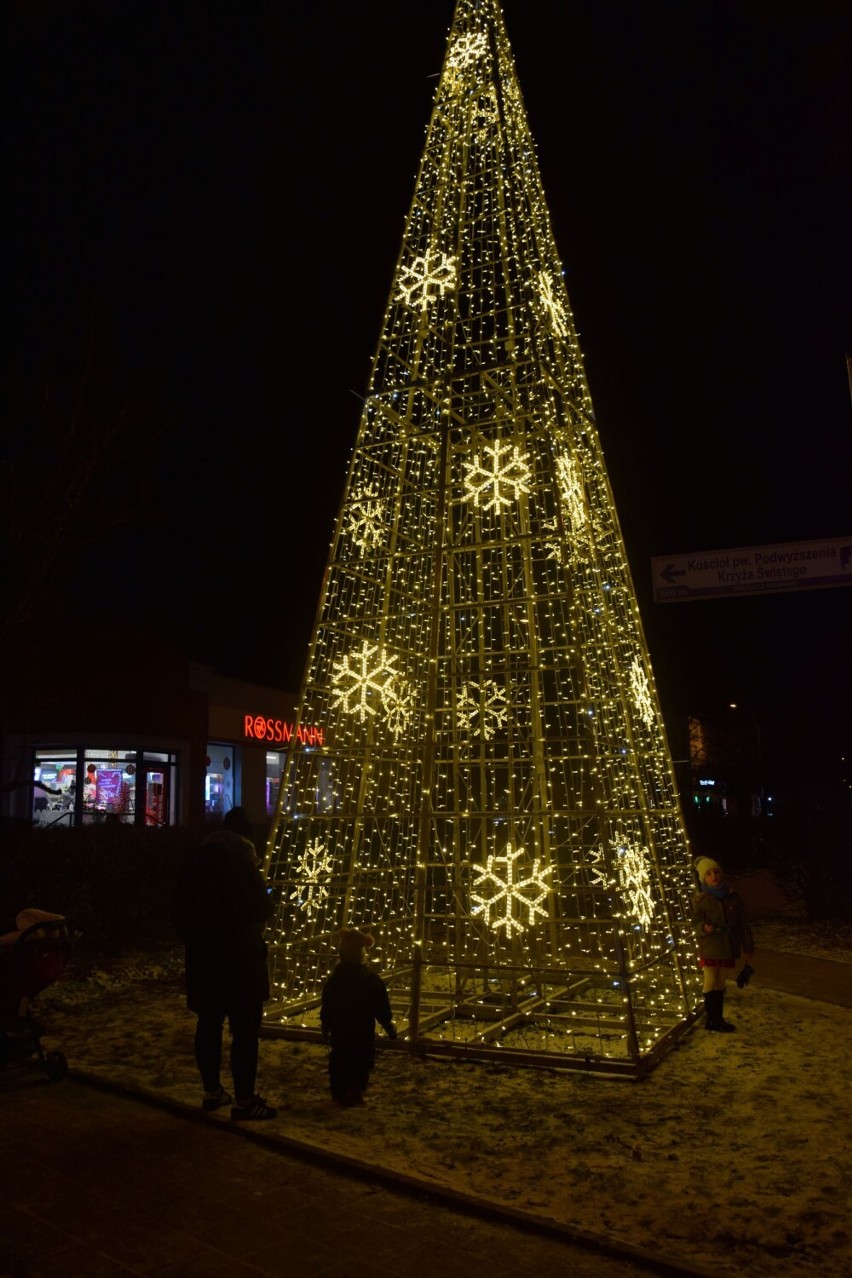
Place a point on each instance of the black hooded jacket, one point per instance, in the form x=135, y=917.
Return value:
x=220, y=906
x=353, y=998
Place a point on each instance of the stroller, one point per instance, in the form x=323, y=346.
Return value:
x=31, y=958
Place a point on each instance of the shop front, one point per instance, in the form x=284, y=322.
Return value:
x=156, y=740
x=251, y=730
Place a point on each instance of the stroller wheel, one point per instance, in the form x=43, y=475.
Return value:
x=55, y=1066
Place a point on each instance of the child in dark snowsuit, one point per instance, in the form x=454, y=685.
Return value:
x=353, y=999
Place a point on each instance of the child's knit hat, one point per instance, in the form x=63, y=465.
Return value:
x=352, y=944
x=703, y=864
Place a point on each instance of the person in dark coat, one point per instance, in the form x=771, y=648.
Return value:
x=353, y=998
x=724, y=935
x=221, y=903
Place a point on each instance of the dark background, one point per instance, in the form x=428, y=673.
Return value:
x=205, y=203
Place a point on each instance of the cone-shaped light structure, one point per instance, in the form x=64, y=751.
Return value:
x=481, y=773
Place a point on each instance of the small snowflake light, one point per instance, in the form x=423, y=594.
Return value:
x=571, y=488
x=641, y=693
x=482, y=708
x=554, y=544
x=509, y=895
x=398, y=706
x=552, y=304
x=599, y=876
x=313, y=873
x=487, y=118
x=634, y=880
x=365, y=518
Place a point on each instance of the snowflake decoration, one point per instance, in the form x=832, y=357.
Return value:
x=366, y=681
x=600, y=877
x=500, y=471
x=426, y=278
x=634, y=880
x=398, y=704
x=486, y=701
x=552, y=304
x=314, y=871
x=510, y=895
x=641, y=692
x=365, y=518
x=554, y=545
x=361, y=675
x=486, y=117
x=467, y=50
x=571, y=488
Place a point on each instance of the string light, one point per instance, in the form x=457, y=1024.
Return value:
x=494, y=796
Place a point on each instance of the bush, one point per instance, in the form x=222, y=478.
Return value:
x=113, y=883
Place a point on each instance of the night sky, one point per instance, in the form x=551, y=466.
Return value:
x=205, y=203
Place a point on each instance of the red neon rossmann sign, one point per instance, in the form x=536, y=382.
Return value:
x=256, y=727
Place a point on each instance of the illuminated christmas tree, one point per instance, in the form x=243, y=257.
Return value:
x=493, y=796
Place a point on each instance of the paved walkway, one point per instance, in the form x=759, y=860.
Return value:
x=103, y=1185
x=819, y=979
x=94, y=1184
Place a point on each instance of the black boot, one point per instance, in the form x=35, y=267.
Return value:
x=724, y=1025
x=714, y=1002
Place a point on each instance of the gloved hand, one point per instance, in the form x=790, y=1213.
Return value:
x=745, y=976
x=390, y=1030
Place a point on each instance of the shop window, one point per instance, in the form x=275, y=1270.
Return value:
x=54, y=788
x=109, y=786
x=91, y=786
x=219, y=782
x=274, y=761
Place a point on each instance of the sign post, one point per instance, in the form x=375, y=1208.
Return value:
x=753, y=570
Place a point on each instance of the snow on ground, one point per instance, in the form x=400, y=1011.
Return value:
x=734, y=1153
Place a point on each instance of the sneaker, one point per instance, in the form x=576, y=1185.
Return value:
x=215, y=1100
x=350, y=1099
x=256, y=1109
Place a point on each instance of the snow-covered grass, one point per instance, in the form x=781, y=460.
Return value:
x=734, y=1153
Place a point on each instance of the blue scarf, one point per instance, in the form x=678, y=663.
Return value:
x=718, y=892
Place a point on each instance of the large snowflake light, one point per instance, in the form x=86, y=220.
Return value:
x=500, y=472
x=360, y=679
x=482, y=708
x=313, y=873
x=367, y=681
x=508, y=895
x=467, y=50
x=427, y=277
x=641, y=692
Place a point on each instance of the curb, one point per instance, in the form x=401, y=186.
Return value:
x=602, y=1244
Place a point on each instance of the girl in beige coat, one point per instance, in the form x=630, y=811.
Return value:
x=724, y=935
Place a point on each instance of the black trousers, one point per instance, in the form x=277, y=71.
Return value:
x=349, y=1069
x=244, y=1023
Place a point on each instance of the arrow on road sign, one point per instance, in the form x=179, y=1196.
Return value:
x=670, y=572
